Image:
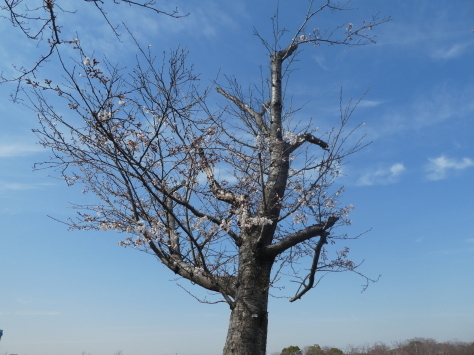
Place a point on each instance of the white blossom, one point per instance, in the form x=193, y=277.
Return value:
x=86, y=61
x=247, y=222
x=125, y=243
x=291, y=137
x=141, y=229
x=262, y=142
x=104, y=115
x=330, y=203
x=299, y=217
x=139, y=241
x=103, y=226
x=198, y=224
x=261, y=221
x=225, y=224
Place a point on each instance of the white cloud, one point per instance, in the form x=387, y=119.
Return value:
x=31, y=313
x=369, y=103
x=203, y=19
x=438, y=168
x=12, y=150
x=443, y=103
x=321, y=61
x=383, y=176
x=442, y=41
x=449, y=52
x=38, y=313
x=18, y=186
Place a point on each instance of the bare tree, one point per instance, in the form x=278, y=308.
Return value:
x=229, y=199
x=41, y=21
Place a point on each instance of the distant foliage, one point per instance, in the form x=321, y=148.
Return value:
x=291, y=350
x=416, y=346
x=317, y=350
x=313, y=350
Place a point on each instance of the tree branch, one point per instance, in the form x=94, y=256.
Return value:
x=261, y=125
x=310, y=232
x=288, y=51
x=226, y=285
x=314, y=267
x=220, y=193
x=307, y=137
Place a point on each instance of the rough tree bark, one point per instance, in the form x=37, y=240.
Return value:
x=248, y=324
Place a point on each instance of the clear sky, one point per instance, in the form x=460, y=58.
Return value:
x=63, y=292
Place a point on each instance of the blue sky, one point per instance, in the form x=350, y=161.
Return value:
x=64, y=292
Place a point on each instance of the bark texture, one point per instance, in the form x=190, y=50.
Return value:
x=248, y=325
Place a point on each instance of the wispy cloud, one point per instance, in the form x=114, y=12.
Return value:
x=18, y=186
x=439, y=168
x=321, y=61
x=382, y=176
x=38, y=313
x=31, y=313
x=353, y=316
x=443, y=103
x=369, y=103
x=451, y=251
x=443, y=41
x=205, y=19
x=16, y=149
x=449, y=52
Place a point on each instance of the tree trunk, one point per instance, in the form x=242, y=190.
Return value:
x=248, y=325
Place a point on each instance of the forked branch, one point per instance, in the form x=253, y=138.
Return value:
x=258, y=117
x=293, y=239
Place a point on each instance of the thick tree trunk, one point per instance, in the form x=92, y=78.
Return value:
x=247, y=334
